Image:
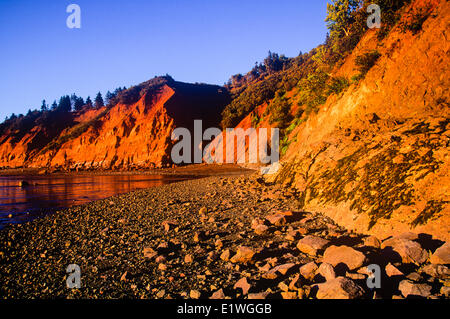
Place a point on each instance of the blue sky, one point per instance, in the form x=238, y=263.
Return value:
x=122, y=43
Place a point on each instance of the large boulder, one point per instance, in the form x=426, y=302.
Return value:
x=282, y=217
x=261, y=229
x=442, y=255
x=335, y=255
x=244, y=255
x=409, y=236
x=309, y=270
x=392, y=271
x=339, y=288
x=411, y=289
x=409, y=251
x=311, y=245
x=372, y=241
x=277, y=219
x=243, y=284
x=437, y=271
x=278, y=270
x=326, y=271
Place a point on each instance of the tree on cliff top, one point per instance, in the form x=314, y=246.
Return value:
x=44, y=106
x=65, y=104
x=89, y=101
x=108, y=97
x=77, y=102
x=99, y=100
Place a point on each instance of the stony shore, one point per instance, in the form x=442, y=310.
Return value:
x=214, y=237
x=193, y=169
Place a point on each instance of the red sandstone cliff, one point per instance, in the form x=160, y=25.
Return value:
x=376, y=158
x=124, y=136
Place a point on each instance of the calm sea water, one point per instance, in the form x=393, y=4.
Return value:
x=49, y=193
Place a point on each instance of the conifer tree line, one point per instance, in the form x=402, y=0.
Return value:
x=74, y=103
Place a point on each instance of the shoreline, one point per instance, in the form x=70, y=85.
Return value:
x=194, y=169
x=31, y=178
x=215, y=236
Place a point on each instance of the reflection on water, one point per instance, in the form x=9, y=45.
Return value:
x=48, y=193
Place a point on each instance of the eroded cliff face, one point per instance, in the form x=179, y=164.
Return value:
x=124, y=136
x=376, y=158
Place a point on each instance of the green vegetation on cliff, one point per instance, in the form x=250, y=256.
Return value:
x=309, y=75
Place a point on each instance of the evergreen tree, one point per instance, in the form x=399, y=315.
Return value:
x=99, y=100
x=65, y=105
x=78, y=104
x=274, y=62
x=89, y=101
x=54, y=105
x=73, y=98
x=44, y=106
x=108, y=97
